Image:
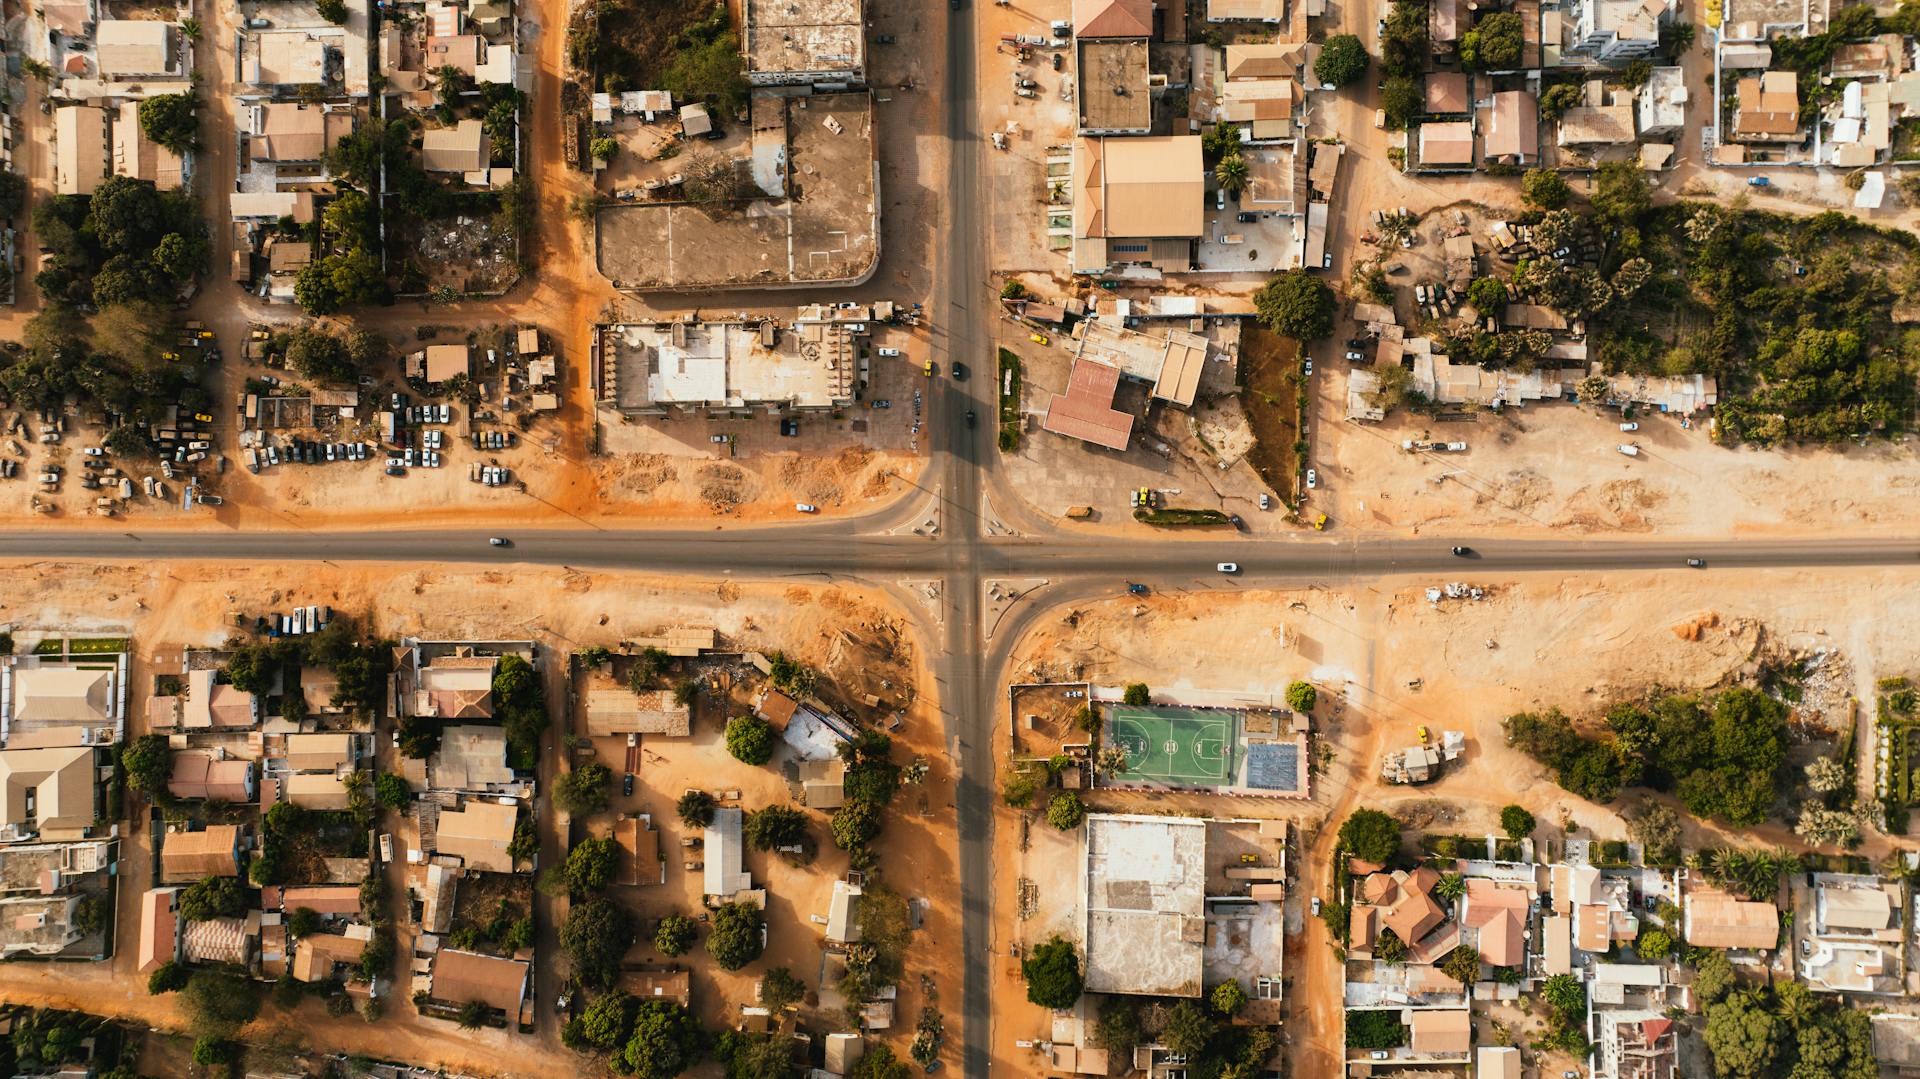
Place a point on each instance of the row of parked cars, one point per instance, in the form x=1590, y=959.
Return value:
x=302, y=452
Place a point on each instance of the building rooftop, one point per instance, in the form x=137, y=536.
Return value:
x=470, y=758
x=1274, y=60
x=1767, y=107
x=479, y=834
x=133, y=47
x=728, y=365
x=1499, y=911
x=1145, y=904
x=1446, y=92
x=1400, y=901
x=1086, y=410
x=1441, y=1032
x=1714, y=919
x=461, y=148
x=199, y=773
x=725, y=875
x=47, y=791
x=1449, y=142
x=211, y=852
x=1603, y=125
x=1113, y=76
x=1112, y=18
x=1513, y=126
x=803, y=37
x=1139, y=187
x=461, y=977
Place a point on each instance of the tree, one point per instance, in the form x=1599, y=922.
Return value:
x=1136, y=694
x=1450, y=887
x=774, y=826
x=606, y=1024
x=855, y=824
x=338, y=280
x=1556, y=100
x=1400, y=99
x=1822, y=827
x=750, y=739
x=334, y=11
x=391, y=790
x=596, y=935
x=1118, y=1028
x=779, y=988
x=734, y=939
x=168, y=977
x=1188, y=1029
x=1621, y=195
x=590, y=865
x=473, y=1014
x=710, y=70
x=1342, y=59
x=675, y=935
x=1653, y=944
x=1230, y=172
x=180, y=256
x=1052, y=972
x=1516, y=822
x=878, y=1063
x=1065, y=811
x=1296, y=304
x=1544, y=189
x=1493, y=44
x=1462, y=965
x=1371, y=835
x=212, y=897
x=583, y=791
x=1228, y=998
x=605, y=148
x=149, y=762
x=319, y=355
x=696, y=808
x=1713, y=976
x=303, y=922
x=218, y=1002
x=1302, y=696
x=208, y=1051
x=666, y=1040
x=172, y=120
x=1657, y=829
x=1826, y=775
x=1743, y=1037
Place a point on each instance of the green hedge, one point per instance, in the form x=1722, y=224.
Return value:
x=1172, y=517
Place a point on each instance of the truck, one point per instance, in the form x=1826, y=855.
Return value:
x=1079, y=513
x=1631, y=449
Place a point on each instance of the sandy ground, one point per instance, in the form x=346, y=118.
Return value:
x=1575, y=642
x=194, y=604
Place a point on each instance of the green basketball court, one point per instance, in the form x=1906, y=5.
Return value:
x=1186, y=747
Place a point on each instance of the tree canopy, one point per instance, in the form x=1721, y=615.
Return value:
x=596, y=935
x=1297, y=304
x=584, y=790
x=1370, y=835
x=590, y=865
x=675, y=934
x=666, y=1041
x=1052, y=971
x=1342, y=59
x=172, y=120
x=1493, y=44
x=733, y=938
x=750, y=739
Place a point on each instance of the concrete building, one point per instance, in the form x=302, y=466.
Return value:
x=136, y=49
x=725, y=849
x=1662, y=103
x=804, y=42
x=459, y=978
x=1767, y=108
x=79, y=149
x=1634, y=1045
x=48, y=794
x=1617, y=31
x=1854, y=934
x=1145, y=905
x=1513, y=129
x=186, y=857
x=479, y=834
x=1713, y=919
x=727, y=368
x=1137, y=201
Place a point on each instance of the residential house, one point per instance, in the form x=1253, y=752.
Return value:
x=843, y=920
x=1663, y=103
x=292, y=133
x=1402, y=902
x=1496, y=1062
x=1446, y=93
x=1854, y=934
x=1713, y=919
x=1513, y=129
x=48, y=794
x=1497, y=913
x=38, y=926
x=641, y=859
x=1767, y=108
x=1440, y=1033
x=131, y=49
x=479, y=833
x=725, y=848
x=62, y=704
x=1112, y=18
x=200, y=774
x=460, y=978
x=323, y=957
x=1597, y=908
x=136, y=155
x=1446, y=145
x=159, y=929
x=210, y=705
x=462, y=148
x=324, y=752
x=456, y=685
x=470, y=758
x=314, y=790
x=434, y=365
x=186, y=857
x=822, y=783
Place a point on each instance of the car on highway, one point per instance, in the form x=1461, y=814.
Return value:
x=1697, y=563
x=626, y=785
x=1463, y=552
x=972, y=419
x=1629, y=427
x=806, y=507
x=958, y=370
x=1313, y=479
x=498, y=541
x=1316, y=906
x=889, y=352
x=1227, y=567
x=1136, y=588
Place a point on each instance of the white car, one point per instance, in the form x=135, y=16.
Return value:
x=1316, y=906
x=1266, y=502
x=1313, y=479
x=94, y=451
x=1227, y=567
x=806, y=507
x=889, y=352
x=1629, y=427
x=1355, y=356
x=1308, y=368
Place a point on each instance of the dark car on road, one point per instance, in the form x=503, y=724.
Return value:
x=959, y=370
x=1136, y=588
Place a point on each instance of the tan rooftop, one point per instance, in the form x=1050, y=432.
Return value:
x=1768, y=107
x=1447, y=143
x=479, y=834
x=1715, y=919
x=1446, y=92
x=616, y=711
x=1112, y=18
x=1441, y=1032
x=461, y=148
x=1513, y=127
x=1139, y=187
x=60, y=783
x=462, y=977
x=189, y=856
x=1086, y=410
x=134, y=47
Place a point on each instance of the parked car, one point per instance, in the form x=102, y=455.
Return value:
x=890, y=352
x=1266, y=501
x=1355, y=357
x=498, y=541
x=1629, y=427
x=806, y=507
x=1759, y=181
x=959, y=370
x=1227, y=567
x=789, y=427
x=1136, y=589
x=626, y=785
x=1040, y=339
x=1313, y=479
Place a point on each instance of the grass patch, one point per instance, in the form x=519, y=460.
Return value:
x=95, y=645
x=1270, y=393
x=1009, y=401
x=1174, y=517
x=50, y=647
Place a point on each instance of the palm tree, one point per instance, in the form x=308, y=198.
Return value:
x=1231, y=173
x=1722, y=863
x=1451, y=887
